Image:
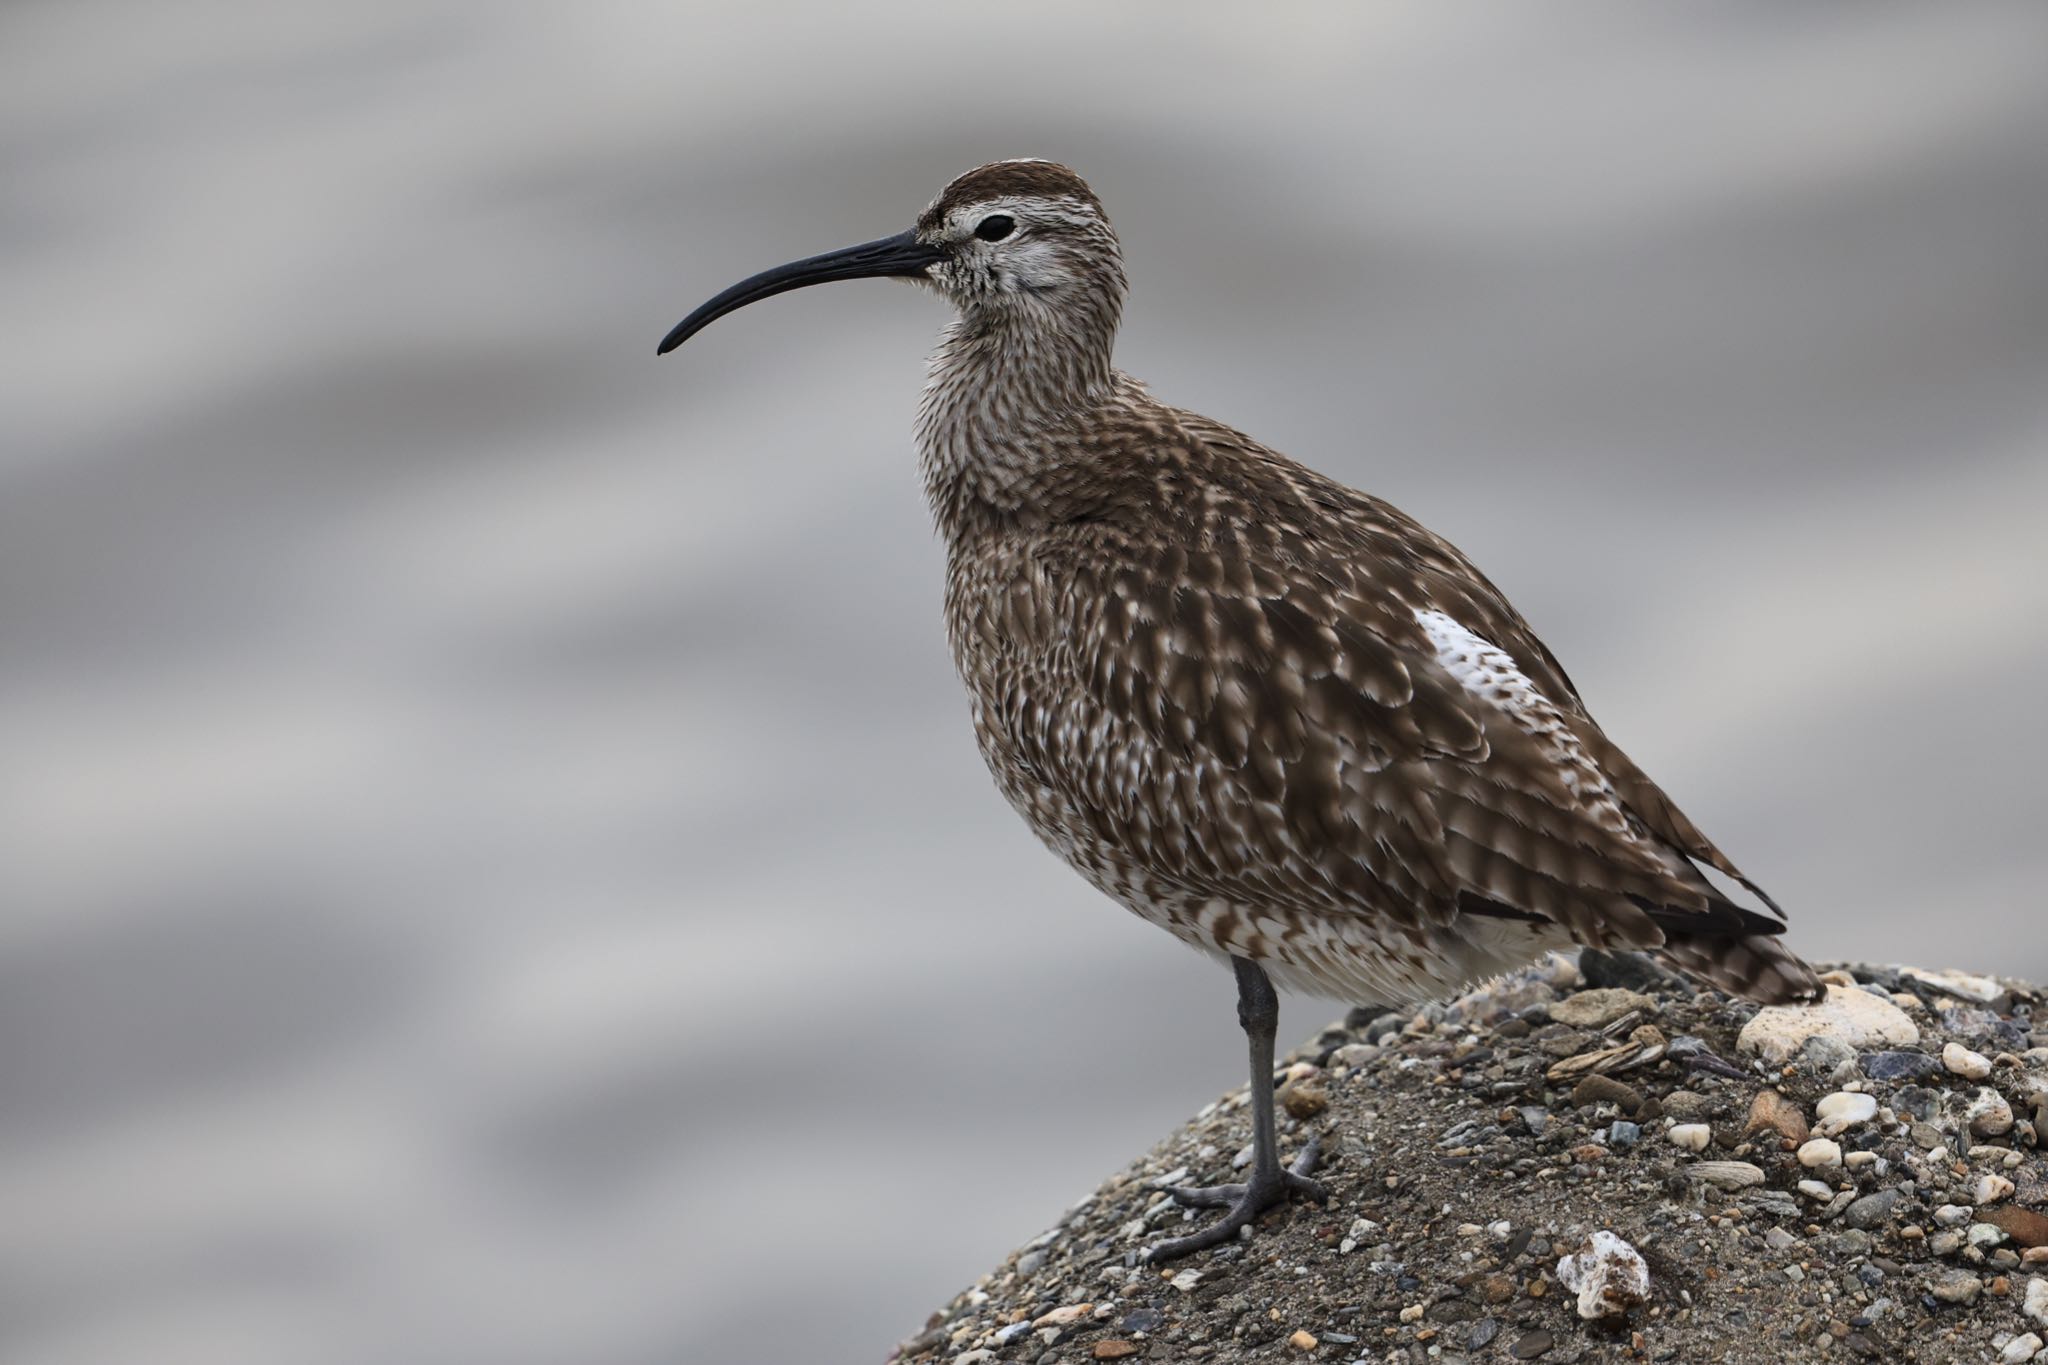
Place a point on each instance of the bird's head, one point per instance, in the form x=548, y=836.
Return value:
x=1022, y=241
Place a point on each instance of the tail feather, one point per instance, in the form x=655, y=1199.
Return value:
x=1755, y=966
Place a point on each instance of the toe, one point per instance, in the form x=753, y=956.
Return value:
x=1206, y=1196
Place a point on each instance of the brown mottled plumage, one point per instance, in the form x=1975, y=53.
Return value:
x=1270, y=714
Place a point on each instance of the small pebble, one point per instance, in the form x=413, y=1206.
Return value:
x=1598, y=1089
x=1951, y=1215
x=1303, y=1341
x=1063, y=1317
x=1899, y=1066
x=1688, y=1106
x=1412, y=1313
x=1303, y=1099
x=2035, y=1304
x=1957, y=1286
x=2028, y=1227
x=1771, y=1112
x=1817, y=1190
x=1991, y=1188
x=1532, y=1345
x=1609, y=1276
x=1974, y=1066
x=1362, y=1230
x=1693, y=1137
x=1842, y=1111
x=1821, y=1152
x=1143, y=1320
x=1989, y=1115
x=1871, y=1209
x=2020, y=1349
x=1728, y=1175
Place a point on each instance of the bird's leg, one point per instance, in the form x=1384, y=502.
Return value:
x=1258, y=1011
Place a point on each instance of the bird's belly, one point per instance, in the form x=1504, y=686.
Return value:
x=1330, y=950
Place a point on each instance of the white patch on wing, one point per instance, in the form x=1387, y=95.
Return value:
x=1490, y=675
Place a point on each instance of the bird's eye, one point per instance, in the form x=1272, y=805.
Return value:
x=995, y=227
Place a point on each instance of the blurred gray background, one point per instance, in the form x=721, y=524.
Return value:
x=495, y=867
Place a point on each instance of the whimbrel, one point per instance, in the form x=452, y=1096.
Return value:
x=1273, y=716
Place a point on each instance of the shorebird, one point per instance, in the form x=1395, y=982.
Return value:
x=1273, y=716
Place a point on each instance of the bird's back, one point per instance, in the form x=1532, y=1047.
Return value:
x=1286, y=722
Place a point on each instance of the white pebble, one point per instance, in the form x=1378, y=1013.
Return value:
x=1501, y=1230
x=1820, y=1152
x=1694, y=1137
x=2020, y=1349
x=1857, y=1160
x=1850, y=1016
x=2036, y=1304
x=1983, y=1235
x=1974, y=1066
x=1951, y=1215
x=1818, y=1191
x=1992, y=1188
x=1843, y=1110
x=1610, y=1277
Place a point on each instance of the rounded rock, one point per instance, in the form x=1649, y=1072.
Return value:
x=1771, y=1112
x=1821, y=1152
x=1971, y=1066
x=1989, y=1115
x=1957, y=1286
x=1729, y=1175
x=1871, y=1209
x=1693, y=1137
x=1844, y=1110
x=2035, y=1304
x=1852, y=1016
x=1609, y=1276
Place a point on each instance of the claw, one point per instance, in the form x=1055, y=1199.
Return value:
x=1245, y=1202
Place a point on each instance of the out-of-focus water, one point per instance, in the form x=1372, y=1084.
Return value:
x=495, y=868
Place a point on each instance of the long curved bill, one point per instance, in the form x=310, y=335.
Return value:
x=902, y=254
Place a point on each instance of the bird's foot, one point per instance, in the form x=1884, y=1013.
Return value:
x=1245, y=1202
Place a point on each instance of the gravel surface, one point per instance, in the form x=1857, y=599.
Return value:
x=1590, y=1162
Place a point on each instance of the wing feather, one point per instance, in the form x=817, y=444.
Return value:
x=1275, y=705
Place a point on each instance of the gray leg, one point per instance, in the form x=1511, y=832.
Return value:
x=1258, y=1011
